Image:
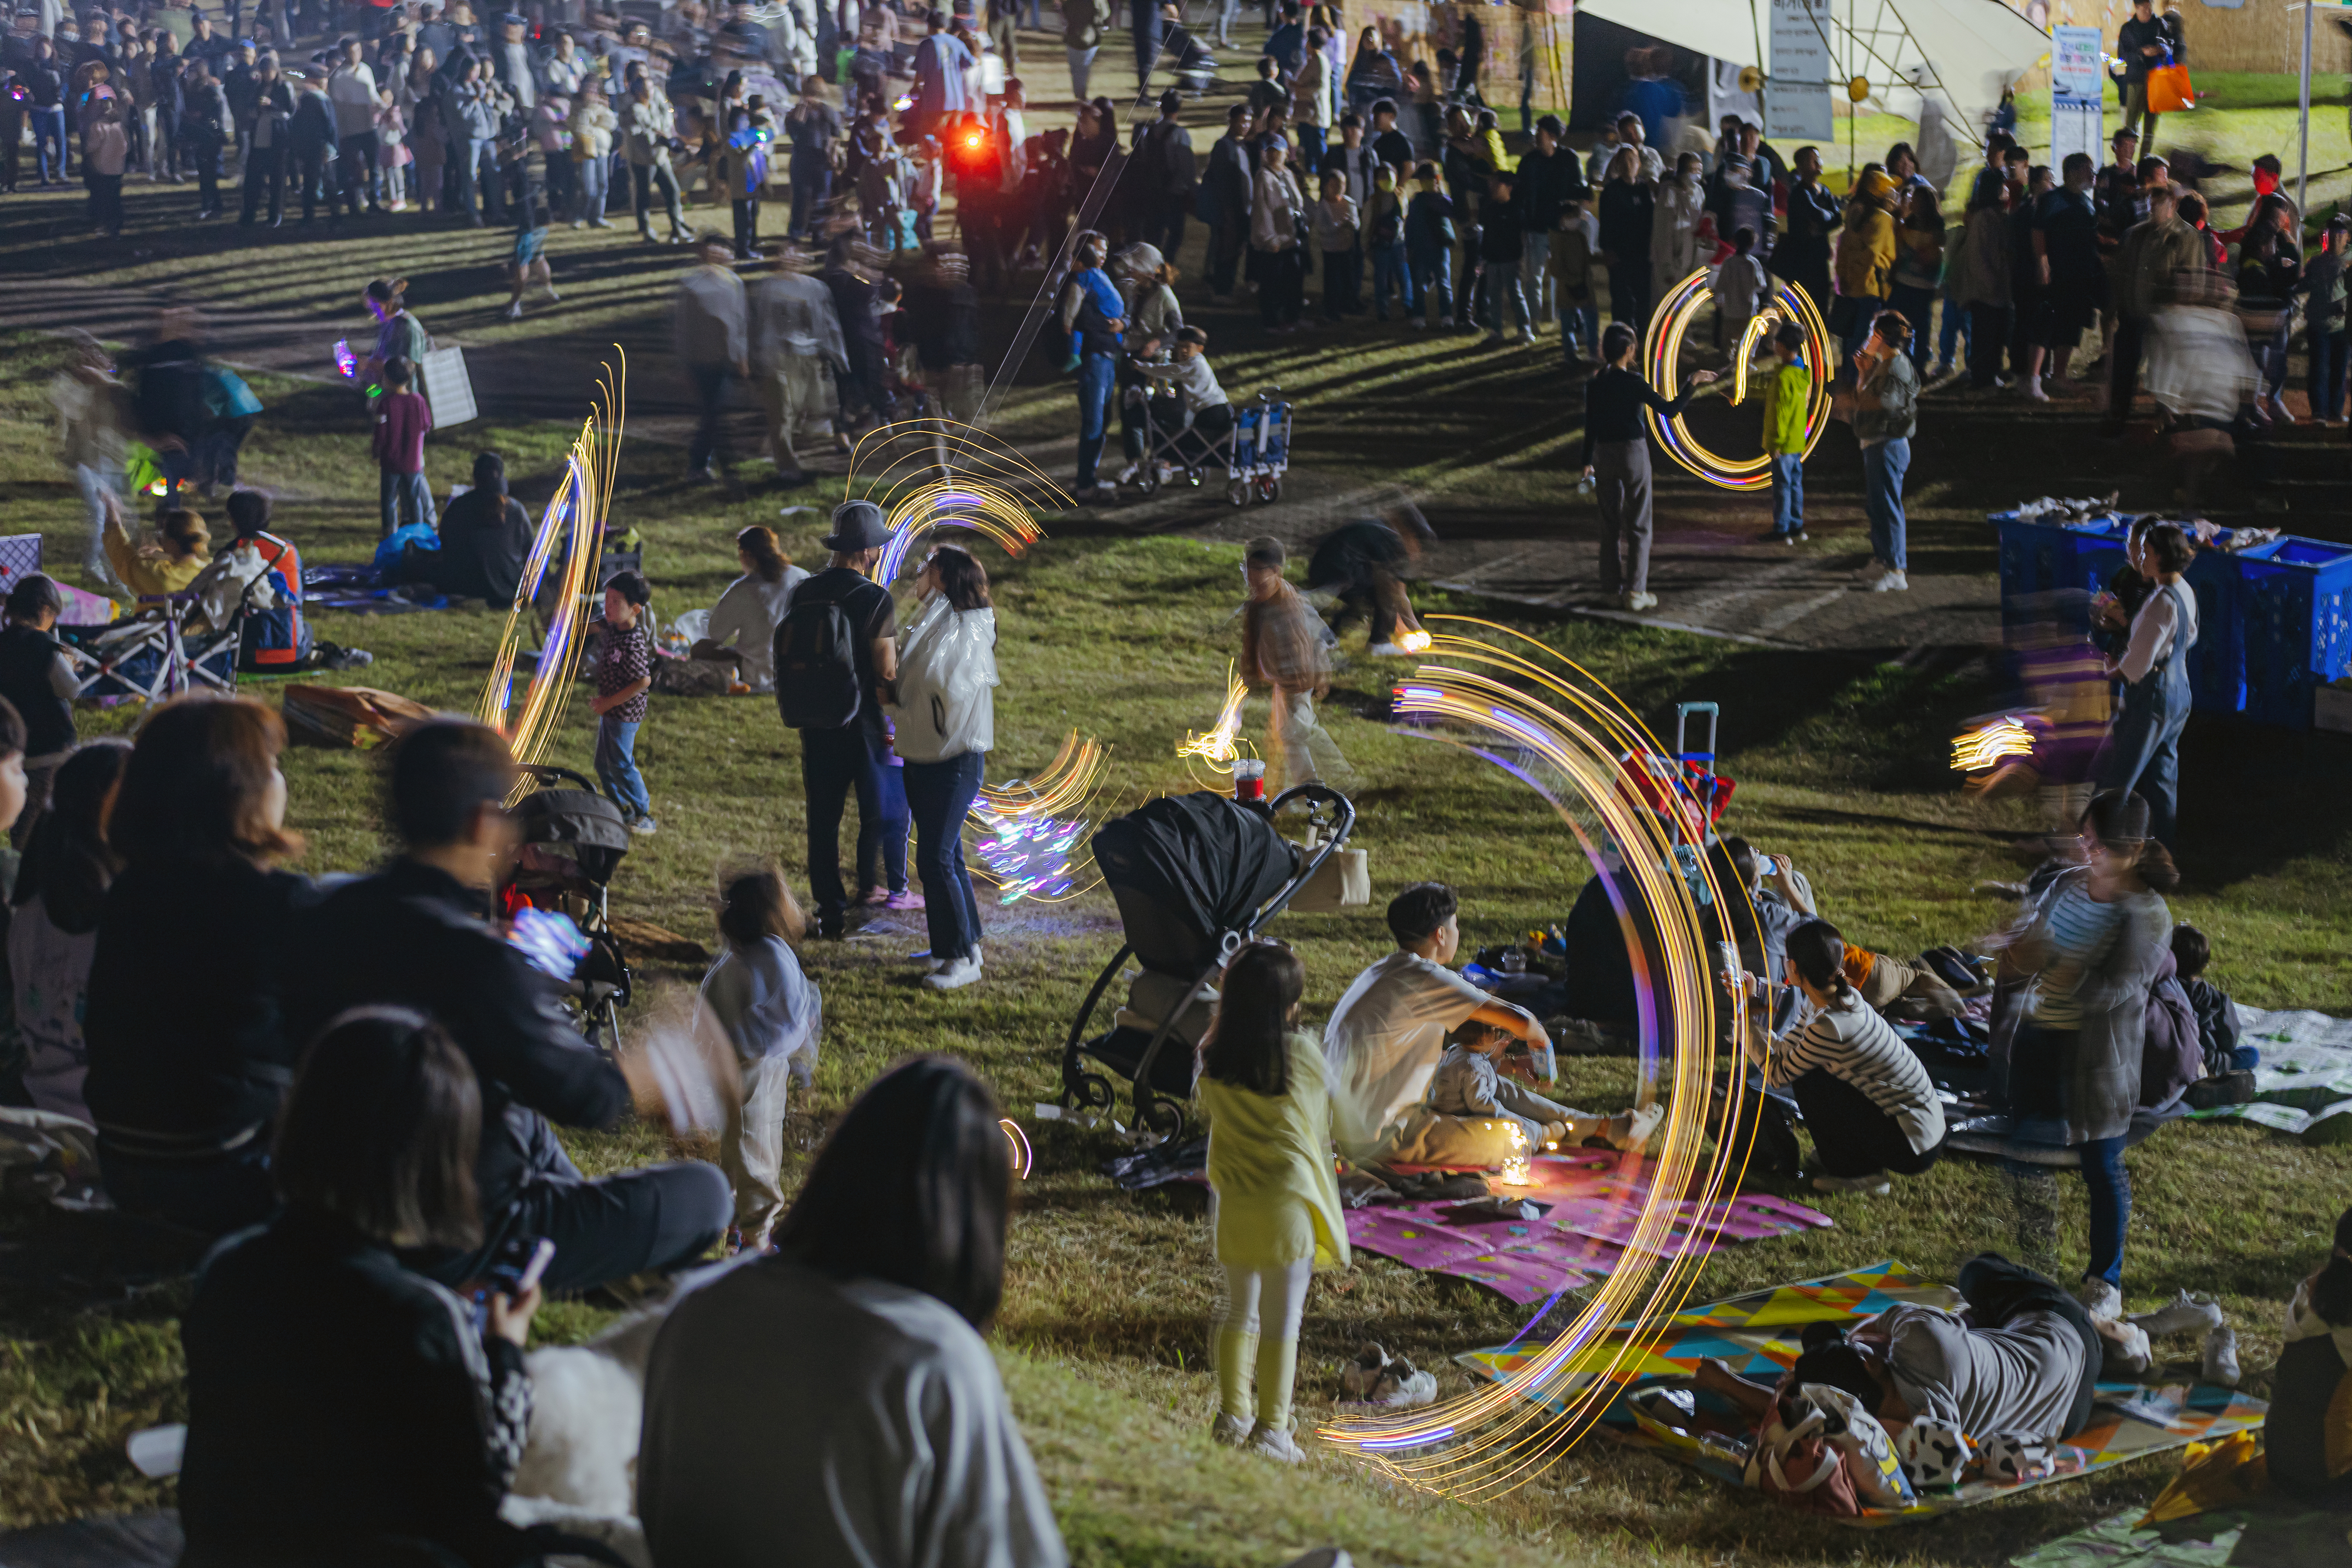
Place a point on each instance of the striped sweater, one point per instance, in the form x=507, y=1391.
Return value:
x=1850, y=1041
x=2079, y=930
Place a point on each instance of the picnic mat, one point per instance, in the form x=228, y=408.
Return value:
x=2228, y=1538
x=1592, y=1202
x=1758, y=1333
x=2304, y=1085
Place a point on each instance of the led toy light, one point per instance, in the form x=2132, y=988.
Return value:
x=563, y=561
x=1549, y=723
x=931, y=474
x=1988, y=744
x=1034, y=831
x=1220, y=744
x=1672, y=321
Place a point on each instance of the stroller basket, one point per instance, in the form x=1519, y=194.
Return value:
x=1195, y=877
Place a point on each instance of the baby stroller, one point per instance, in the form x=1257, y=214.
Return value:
x=1255, y=451
x=1195, y=877
x=574, y=840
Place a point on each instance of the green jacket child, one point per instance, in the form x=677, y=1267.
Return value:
x=1788, y=396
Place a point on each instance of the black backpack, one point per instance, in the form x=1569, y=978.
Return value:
x=815, y=652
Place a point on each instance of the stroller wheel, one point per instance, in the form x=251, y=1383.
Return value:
x=1238, y=491
x=1269, y=488
x=1094, y=1091
x=1146, y=478
x=1163, y=1119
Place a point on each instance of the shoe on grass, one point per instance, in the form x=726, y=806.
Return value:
x=1384, y=650
x=905, y=898
x=645, y=825
x=2220, y=1363
x=1630, y=1131
x=2100, y=1298
x=1229, y=1431
x=1869, y=1184
x=2181, y=1314
x=1891, y=582
x=1263, y=1440
x=871, y=897
x=954, y=975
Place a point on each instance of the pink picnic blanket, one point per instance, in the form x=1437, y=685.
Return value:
x=1596, y=1206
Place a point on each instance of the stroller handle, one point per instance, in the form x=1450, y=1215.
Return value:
x=549, y=773
x=1311, y=795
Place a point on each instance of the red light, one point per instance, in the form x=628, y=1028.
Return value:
x=975, y=140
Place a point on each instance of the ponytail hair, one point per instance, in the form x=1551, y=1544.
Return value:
x=1818, y=951
x=2156, y=868
x=768, y=559
x=2331, y=1287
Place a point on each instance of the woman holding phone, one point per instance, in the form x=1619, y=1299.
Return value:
x=336, y=1400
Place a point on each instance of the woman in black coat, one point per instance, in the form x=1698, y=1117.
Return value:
x=1627, y=203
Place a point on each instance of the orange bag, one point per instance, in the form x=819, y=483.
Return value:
x=2169, y=90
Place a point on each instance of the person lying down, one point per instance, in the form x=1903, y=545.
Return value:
x=2022, y=1360
x=1473, y=1079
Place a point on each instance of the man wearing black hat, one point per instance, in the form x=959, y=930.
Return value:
x=839, y=758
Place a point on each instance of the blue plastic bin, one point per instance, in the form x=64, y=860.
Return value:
x=2294, y=609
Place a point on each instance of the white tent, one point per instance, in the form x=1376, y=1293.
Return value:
x=1960, y=53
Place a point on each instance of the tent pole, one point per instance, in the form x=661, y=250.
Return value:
x=2302, y=156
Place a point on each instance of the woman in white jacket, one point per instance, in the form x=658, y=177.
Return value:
x=945, y=717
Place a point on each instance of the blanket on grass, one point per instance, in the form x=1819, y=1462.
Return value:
x=2228, y=1538
x=2304, y=1085
x=1758, y=1335
x=1591, y=1205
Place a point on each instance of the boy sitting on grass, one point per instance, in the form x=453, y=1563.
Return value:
x=1474, y=1079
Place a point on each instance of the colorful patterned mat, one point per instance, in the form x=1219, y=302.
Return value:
x=2277, y=1537
x=1758, y=1333
x=1595, y=1202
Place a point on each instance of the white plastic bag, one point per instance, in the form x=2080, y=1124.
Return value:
x=947, y=668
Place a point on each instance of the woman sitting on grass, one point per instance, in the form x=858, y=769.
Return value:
x=336, y=1400
x=2309, y=1436
x=834, y=1402
x=1867, y=1099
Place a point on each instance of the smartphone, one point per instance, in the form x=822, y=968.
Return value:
x=541, y=1255
x=520, y=1262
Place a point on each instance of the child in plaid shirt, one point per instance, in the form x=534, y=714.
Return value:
x=624, y=672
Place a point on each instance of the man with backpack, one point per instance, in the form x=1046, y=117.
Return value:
x=836, y=656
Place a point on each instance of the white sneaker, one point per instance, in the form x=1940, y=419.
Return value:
x=1877, y=1186
x=1126, y=474
x=1631, y=1129
x=1637, y=602
x=2221, y=1357
x=2181, y=1314
x=1869, y=575
x=2100, y=1299
x=1891, y=582
x=1384, y=650
x=954, y=975
x=645, y=825
x=1274, y=1445
x=514, y=311
x=1229, y=1431
x=2034, y=392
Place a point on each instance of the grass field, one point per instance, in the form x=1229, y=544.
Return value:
x=1840, y=759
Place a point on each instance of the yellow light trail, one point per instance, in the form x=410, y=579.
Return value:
x=1668, y=326
x=1566, y=736
x=1986, y=744
x=1218, y=744
x=569, y=539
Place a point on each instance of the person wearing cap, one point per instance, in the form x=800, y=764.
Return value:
x=37, y=679
x=1865, y=255
x=310, y=145
x=855, y=757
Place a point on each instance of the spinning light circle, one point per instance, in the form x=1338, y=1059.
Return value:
x=929, y=474
x=1668, y=324
x=1550, y=724
x=569, y=539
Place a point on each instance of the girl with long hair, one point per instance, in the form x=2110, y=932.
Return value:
x=742, y=627
x=945, y=715
x=1275, y=1203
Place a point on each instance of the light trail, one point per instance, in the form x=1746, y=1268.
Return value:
x=1668, y=325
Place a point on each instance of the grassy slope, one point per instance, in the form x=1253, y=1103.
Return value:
x=1127, y=640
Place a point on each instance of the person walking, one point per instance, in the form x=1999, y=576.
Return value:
x=2142, y=754
x=351, y=88
x=836, y=656
x=710, y=331
x=1283, y=651
x=1617, y=458
x=624, y=677
x=1885, y=413
x=795, y=336
x=943, y=725
x=2142, y=44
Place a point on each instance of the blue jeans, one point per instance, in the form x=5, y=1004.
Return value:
x=940, y=795
x=616, y=768
x=1502, y=284
x=49, y=127
x=835, y=765
x=1389, y=268
x=1096, y=375
x=1883, y=468
x=1580, y=323
x=404, y=498
x=1533, y=262
x=595, y=183
x=1433, y=269
x=2329, y=360
x=2108, y=1186
x=1957, y=329
x=1857, y=332
x=1787, y=492
x=1310, y=144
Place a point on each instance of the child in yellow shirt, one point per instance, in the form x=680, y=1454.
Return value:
x=1275, y=1197
x=1788, y=399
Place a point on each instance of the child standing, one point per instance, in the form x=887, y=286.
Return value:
x=1384, y=239
x=392, y=148
x=1429, y=245
x=758, y=998
x=529, y=263
x=401, y=418
x=1787, y=398
x=624, y=674
x=1739, y=287
x=743, y=164
x=1337, y=228
x=1275, y=1200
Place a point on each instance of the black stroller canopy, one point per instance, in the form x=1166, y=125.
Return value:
x=580, y=824
x=1203, y=862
